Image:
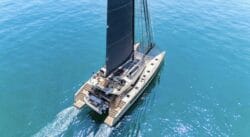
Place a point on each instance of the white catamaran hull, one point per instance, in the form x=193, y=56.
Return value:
x=115, y=113
x=145, y=79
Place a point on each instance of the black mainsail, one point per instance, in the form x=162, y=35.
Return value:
x=120, y=33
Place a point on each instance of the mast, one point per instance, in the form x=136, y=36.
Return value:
x=120, y=33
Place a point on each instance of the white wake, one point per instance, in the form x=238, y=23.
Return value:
x=104, y=131
x=60, y=124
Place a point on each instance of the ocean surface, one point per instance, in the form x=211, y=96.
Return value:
x=49, y=48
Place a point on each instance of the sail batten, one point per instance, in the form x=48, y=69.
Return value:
x=120, y=33
x=121, y=6
x=128, y=35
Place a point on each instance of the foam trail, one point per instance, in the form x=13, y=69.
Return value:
x=60, y=124
x=104, y=131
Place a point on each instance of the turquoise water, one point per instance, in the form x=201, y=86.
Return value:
x=49, y=48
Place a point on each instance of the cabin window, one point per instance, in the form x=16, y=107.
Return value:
x=119, y=72
x=156, y=59
x=152, y=64
x=148, y=71
x=102, y=71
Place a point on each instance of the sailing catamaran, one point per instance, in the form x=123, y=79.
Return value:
x=129, y=67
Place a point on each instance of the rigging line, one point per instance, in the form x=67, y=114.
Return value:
x=149, y=25
x=142, y=26
x=146, y=24
x=147, y=19
x=138, y=24
x=150, y=22
x=145, y=32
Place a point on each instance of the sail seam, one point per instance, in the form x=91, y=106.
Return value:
x=122, y=6
x=111, y=45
